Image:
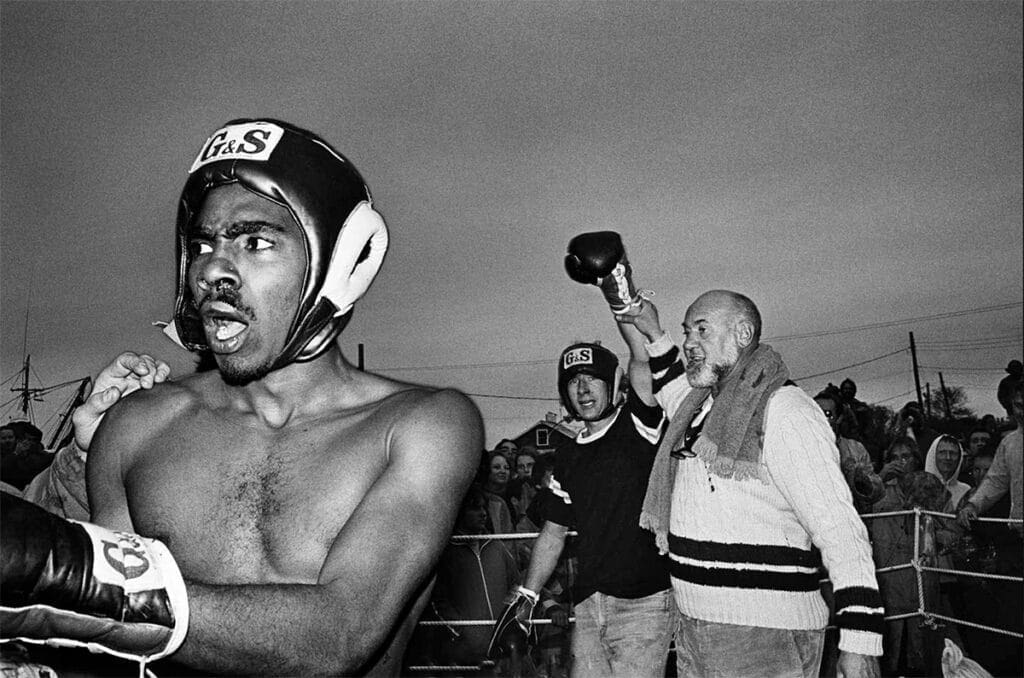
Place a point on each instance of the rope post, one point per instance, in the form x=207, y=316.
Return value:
x=917, y=561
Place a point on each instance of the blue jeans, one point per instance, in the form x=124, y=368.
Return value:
x=626, y=637
x=711, y=650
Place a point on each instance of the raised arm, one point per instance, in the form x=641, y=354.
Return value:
x=639, y=368
x=664, y=363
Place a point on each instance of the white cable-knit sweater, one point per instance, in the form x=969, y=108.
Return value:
x=746, y=552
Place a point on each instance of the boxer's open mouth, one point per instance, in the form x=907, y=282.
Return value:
x=227, y=329
x=224, y=324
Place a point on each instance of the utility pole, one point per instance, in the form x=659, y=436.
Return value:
x=359, y=361
x=945, y=397
x=928, y=399
x=917, y=372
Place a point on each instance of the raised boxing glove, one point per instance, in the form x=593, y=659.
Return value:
x=515, y=622
x=74, y=584
x=599, y=258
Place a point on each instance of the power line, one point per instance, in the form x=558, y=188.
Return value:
x=976, y=341
x=822, y=333
x=900, y=395
x=810, y=376
x=894, y=323
x=513, y=363
x=10, y=378
x=846, y=367
x=964, y=369
x=975, y=345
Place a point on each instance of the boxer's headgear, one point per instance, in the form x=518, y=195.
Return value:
x=592, y=359
x=345, y=238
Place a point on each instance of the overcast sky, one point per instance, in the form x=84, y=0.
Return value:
x=850, y=166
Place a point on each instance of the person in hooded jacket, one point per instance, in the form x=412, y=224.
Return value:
x=473, y=579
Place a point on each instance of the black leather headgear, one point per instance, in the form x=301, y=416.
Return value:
x=592, y=359
x=345, y=238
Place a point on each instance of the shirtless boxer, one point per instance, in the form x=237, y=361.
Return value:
x=304, y=501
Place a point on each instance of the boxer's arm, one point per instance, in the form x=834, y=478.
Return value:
x=376, y=565
x=116, y=439
x=639, y=363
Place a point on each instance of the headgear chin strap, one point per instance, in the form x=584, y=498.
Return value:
x=345, y=238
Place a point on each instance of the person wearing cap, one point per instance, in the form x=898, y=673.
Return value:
x=281, y=514
x=1004, y=393
x=622, y=597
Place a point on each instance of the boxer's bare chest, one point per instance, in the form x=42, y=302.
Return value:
x=238, y=502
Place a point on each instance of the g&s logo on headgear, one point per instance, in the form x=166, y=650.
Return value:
x=578, y=356
x=245, y=141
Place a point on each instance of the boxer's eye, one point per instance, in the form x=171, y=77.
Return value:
x=255, y=244
x=198, y=247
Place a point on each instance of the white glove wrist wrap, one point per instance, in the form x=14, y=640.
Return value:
x=533, y=596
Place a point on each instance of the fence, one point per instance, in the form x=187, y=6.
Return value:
x=917, y=563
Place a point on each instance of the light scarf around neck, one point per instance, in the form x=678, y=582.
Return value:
x=732, y=436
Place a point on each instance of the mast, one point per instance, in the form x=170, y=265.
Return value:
x=24, y=387
x=64, y=431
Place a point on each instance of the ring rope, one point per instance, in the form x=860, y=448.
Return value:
x=917, y=563
x=967, y=573
x=479, y=622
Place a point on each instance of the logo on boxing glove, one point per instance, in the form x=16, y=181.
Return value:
x=130, y=562
x=123, y=559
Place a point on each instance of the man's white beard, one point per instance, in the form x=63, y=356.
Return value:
x=709, y=373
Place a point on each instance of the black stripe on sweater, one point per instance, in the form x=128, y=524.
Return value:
x=674, y=372
x=861, y=621
x=745, y=579
x=662, y=362
x=861, y=596
x=764, y=554
x=649, y=415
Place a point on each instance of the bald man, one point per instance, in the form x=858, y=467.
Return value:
x=746, y=491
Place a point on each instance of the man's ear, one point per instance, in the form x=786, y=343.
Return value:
x=744, y=332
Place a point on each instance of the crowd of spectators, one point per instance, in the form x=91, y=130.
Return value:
x=938, y=465
x=893, y=462
x=22, y=456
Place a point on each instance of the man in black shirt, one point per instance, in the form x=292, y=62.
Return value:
x=622, y=595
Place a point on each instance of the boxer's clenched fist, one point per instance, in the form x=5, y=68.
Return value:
x=599, y=258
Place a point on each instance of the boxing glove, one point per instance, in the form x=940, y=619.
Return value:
x=599, y=258
x=74, y=584
x=514, y=624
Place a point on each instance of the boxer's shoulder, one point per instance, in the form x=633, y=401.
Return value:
x=433, y=408
x=146, y=412
x=417, y=403
x=163, y=400
x=433, y=421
